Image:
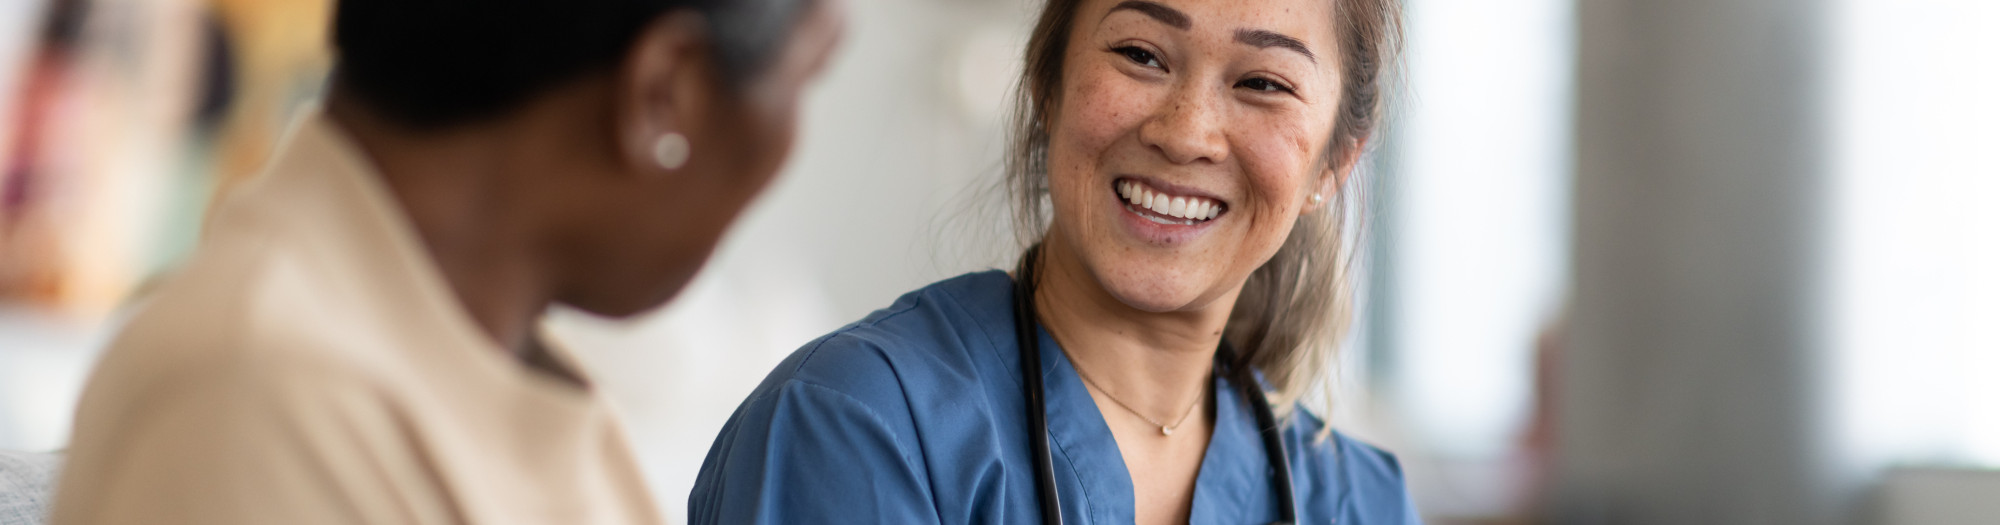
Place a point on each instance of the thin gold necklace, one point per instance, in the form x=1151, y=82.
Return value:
x=1165, y=429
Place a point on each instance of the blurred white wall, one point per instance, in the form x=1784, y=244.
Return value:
x=44, y=359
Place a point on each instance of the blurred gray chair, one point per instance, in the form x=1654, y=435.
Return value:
x=27, y=483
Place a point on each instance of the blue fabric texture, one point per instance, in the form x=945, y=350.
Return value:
x=915, y=415
x=26, y=483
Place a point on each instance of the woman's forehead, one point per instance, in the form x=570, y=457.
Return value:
x=1308, y=21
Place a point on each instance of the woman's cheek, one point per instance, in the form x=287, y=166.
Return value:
x=1106, y=102
x=1279, y=150
x=1277, y=170
x=1090, y=120
x=1274, y=175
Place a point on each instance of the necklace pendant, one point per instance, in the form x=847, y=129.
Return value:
x=1166, y=431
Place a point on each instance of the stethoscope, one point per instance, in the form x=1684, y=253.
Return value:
x=1038, y=419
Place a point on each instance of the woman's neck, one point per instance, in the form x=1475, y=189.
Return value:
x=1159, y=363
x=471, y=225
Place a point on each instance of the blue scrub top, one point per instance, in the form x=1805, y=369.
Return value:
x=915, y=415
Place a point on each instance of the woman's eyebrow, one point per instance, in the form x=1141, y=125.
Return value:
x=1166, y=15
x=1267, y=39
x=1176, y=19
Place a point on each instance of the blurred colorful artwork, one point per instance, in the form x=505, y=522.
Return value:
x=122, y=121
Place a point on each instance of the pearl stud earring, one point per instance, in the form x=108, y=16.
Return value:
x=671, y=151
x=1316, y=199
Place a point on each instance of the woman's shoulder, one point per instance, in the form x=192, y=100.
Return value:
x=1365, y=479
x=942, y=330
x=1349, y=455
x=851, y=414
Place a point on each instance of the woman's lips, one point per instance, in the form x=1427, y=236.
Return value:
x=1166, y=208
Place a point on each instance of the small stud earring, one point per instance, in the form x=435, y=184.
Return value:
x=1316, y=198
x=671, y=151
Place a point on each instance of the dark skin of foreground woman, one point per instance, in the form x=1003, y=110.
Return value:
x=561, y=200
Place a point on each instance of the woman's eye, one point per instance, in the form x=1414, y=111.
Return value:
x=1139, y=56
x=1262, y=84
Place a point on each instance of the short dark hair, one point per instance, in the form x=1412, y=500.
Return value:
x=439, y=63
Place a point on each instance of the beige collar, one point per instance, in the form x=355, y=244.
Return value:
x=328, y=197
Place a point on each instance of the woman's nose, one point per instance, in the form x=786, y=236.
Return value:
x=1187, y=127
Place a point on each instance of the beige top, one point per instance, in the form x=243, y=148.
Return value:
x=310, y=365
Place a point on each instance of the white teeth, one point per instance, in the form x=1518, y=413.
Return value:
x=1190, y=208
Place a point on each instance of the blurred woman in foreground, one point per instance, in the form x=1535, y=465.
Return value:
x=1180, y=169
x=354, y=340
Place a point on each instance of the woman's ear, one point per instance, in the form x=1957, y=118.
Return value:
x=663, y=89
x=1323, y=189
x=1333, y=179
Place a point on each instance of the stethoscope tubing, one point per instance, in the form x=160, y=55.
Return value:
x=1029, y=344
x=1038, y=420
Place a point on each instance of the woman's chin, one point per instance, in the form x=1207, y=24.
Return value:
x=1157, y=295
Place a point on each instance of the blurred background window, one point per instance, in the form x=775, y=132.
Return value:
x=1916, y=252
x=1472, y=243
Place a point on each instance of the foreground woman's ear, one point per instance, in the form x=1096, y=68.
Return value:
x=664, y=86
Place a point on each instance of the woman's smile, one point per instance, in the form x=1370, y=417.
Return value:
x=1167, y=206
x=1162, y=213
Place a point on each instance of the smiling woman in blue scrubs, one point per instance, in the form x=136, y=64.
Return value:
x=1180, y=170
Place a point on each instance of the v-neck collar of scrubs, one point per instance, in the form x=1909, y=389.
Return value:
x=916, y=414
x=1235, y=477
